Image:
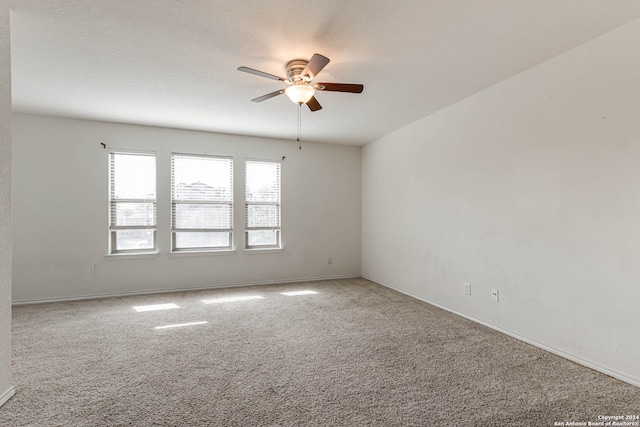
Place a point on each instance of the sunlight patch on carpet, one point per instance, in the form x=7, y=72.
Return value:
x=231, y=299
x=155, y=307
x=294, y=293
x=180, y=325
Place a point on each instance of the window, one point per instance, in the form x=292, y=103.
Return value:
x=132, y=202
x=201, y=202
x=262, y=206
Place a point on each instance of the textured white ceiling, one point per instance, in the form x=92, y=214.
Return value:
x=173, y=62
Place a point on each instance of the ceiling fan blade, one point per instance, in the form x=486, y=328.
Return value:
x=340, y=87
x=267, y=96
x=261, y=74
x=315, y=65
x=313, y=104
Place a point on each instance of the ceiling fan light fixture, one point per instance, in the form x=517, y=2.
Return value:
x=300, y=93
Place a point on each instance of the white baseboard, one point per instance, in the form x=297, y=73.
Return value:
x=4, y=397
x=577, y=359
x=163, y=291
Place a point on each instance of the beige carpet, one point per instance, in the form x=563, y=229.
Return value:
x=352, y=354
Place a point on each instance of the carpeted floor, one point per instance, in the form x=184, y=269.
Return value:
x=352, y=354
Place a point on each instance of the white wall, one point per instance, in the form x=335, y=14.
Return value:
x=60, y=211
x=532, y=187
x=5, y=204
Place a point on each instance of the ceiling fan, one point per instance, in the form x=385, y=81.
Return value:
x=300, y=74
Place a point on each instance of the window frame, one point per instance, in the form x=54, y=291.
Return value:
x=175, y=202
x=113, y=228
x=278, y=229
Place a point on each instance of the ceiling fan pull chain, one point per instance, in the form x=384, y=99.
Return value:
x=299, y=126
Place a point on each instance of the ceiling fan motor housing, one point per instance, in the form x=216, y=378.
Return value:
x=295, y=69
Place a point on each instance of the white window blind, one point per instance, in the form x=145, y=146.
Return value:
x=132, y=202
x=262, y=204
x=202, y=202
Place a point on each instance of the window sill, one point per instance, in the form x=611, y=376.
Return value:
x=132, y=255
x=263, y=251
x=179, y=254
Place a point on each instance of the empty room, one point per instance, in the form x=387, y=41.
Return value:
x=319, y=213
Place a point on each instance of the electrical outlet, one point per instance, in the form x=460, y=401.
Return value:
x=330, y=260
x=95, y=268
x=467, y=288
x=494, y=294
